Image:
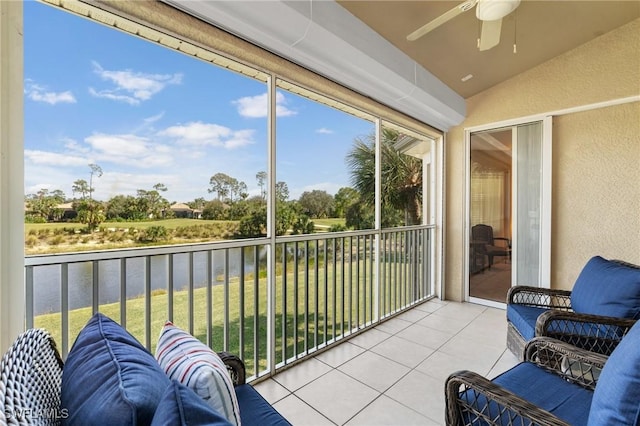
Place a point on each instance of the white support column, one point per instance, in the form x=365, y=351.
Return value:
x=12, y=294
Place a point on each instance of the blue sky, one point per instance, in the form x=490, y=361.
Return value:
x=147, y=115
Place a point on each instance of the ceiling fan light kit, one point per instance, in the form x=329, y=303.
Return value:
x=489, y=12
x=494, y=10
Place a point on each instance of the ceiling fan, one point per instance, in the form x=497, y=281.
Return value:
x=490, y=12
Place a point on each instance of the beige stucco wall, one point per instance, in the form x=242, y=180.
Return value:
x=596, y=154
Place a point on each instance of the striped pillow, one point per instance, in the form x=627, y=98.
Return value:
x=189, y=361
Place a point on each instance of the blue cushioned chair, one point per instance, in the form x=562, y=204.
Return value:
x=557, y=384
x=603, y=304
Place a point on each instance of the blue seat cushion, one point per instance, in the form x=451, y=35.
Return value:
x=524, y=319
x=607, y=288
x=180, y=406
x=109, y=378
x=548, y=391
x=616, y=400
x=255, y=410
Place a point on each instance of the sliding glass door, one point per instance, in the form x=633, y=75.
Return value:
x=508, y=209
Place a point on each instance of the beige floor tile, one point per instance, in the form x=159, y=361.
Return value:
x=422, y=393
x=385, y=411
x=340, y=354
x=402, y=351
x=298, y=413
x=370, y=338
x=337, y=396
x=393, y=325
x=465, y=311
x=440, y=365
x=272, y=391
x=413, y=315
x=425, y=336
x=374, y=370
x=296, y=377
x=445, y=324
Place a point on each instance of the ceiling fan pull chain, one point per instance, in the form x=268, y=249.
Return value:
x=515, y=32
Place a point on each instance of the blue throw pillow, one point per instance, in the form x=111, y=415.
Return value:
x=109, y=378
x=607, y=288
x=616, y=400
x=180, y=406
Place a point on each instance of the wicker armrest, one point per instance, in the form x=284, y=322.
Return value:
x=571, y=363
x=471, y=397
x=540, y=297
x=235, y=366
x=595, y=333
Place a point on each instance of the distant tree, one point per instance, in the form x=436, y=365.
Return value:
x=44, y=204
x=282, y=191
x=198, y=203
x=343, y=199
x=81, y=187
x=261, y=177
x=221, y=184
x=303, y=225
x=214, y=210
x=90, y=211
x=151, y=203
x=237, y=190
x=401, y=175
x=123, y=207
x=316, y=203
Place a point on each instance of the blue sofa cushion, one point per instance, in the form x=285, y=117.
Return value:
x=255, y=410
x=548, y=391
x=524, y=319
x=607, y=288
x=616, y=399
x=109, y=378
x=180, y=406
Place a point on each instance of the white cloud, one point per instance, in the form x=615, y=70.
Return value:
x=201, y=134
x=38, y=93
x=132, y=87
x=257, y=106
x=44, y=158
x=324, y=131
x=128, y=149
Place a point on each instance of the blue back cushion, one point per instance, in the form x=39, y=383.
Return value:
x=607, y=288
x=180, y=406
x=616, y=400
x=109, y=378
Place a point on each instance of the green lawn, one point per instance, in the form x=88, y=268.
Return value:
x=315, y=302
x=167, y=223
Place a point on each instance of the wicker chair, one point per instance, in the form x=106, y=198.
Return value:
x=596, y=325
x=485, y=243
x=31, y=377
x=558, y=384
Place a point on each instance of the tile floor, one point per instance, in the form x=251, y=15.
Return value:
x=393, y=374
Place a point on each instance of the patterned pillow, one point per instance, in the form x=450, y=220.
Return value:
x=189, y=361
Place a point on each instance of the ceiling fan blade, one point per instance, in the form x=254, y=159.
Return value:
x=490, y=34
x=447, y=16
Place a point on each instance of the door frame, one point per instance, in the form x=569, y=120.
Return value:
x=544, y=278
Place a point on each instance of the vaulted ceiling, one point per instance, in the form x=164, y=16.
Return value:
x=540, y=29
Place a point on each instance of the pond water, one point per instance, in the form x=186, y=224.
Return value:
x=47, y=279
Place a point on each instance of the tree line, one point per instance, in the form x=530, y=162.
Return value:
x=400, y=202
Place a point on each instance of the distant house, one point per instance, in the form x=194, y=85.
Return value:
x=67, y=211
x=182, y=210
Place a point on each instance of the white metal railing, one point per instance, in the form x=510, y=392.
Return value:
x=327, y=287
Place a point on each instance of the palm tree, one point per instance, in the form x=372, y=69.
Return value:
x=401, y=176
